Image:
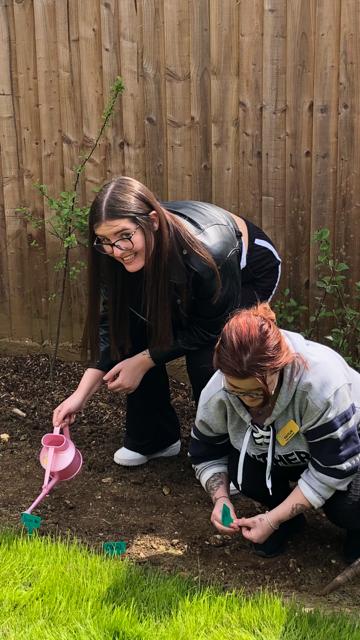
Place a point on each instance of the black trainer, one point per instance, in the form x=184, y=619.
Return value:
x=352, y=545
x=275, y=545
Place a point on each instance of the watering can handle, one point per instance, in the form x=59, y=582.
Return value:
x=66, y=431
x=48, y=466
x=49, y=461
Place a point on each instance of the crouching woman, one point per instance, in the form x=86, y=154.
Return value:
x=280, y=419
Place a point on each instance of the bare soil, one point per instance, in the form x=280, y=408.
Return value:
x=159, y=509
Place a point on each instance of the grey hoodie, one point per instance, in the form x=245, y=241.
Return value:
x=322, y=398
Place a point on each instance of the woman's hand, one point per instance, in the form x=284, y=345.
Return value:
x=216, y=517
x=259, y=528
x=127, y=374
x=256, y=529
x=64, y=415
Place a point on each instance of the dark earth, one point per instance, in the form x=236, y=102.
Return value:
x=159, y=509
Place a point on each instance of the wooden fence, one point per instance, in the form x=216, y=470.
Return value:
x=251, y=104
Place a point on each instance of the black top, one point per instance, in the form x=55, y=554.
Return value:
x=201, y=321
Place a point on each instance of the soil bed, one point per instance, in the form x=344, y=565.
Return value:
x=159, y=509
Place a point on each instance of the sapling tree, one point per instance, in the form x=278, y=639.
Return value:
x=68, y=224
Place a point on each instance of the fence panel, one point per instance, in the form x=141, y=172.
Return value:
x=348, y=160
x=252, y=104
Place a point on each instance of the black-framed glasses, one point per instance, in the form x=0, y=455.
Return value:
x=124, y=243
x=255, y=395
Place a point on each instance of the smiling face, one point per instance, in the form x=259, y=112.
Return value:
x=130, y=253
x=249, y=390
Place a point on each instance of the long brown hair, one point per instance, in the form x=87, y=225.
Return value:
x=251, y=345
x=125, y=197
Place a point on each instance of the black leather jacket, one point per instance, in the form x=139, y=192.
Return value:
x=200, y=323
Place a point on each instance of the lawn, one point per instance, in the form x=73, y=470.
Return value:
x=61, y=590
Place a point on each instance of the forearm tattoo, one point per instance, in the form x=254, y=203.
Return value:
x=298, y=508
x=217, y=481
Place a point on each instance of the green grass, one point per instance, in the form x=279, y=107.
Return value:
x=62, y=591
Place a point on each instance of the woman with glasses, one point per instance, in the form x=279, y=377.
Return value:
x=163, y=279
x=280, y=409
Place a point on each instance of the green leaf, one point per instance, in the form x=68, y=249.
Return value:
x=341, y=266
x=321, y=234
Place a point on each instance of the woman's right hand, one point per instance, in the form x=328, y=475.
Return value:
x=216, y=517
x=64, y=415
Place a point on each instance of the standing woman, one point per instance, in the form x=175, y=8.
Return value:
x=163, y=279
x=279, y=409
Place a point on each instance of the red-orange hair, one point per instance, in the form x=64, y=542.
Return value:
x=251, y=345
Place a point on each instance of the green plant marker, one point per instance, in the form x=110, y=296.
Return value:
x=30, y=522
x=114, y=548
x=226, y=518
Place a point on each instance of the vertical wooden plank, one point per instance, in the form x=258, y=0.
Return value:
x=178, y=102
x=274, y=129
x=325, y=127
x=250, y=115
x=200, y=89
x=113, y=136
x=76, y=73
x=299, y=122
x=5, y=310
x=130, y=17
x=224, y=34
x=5, y=318
x=67, y=39
x=91, y=91
x=51, y=147
x=10, y=145
x=31, y=159
x=348, y=186
x=155, y=97
x=69, y=74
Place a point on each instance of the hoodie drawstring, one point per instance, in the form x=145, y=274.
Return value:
x=242, y=455
x=269, y=461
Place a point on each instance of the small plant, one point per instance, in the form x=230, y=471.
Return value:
x=69, y=222
x=289, y=313
x=336, y=317
x=334, y=305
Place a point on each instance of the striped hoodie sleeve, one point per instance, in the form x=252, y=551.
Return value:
x=209, y=442
x=334, y=446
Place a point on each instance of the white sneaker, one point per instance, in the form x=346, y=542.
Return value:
x=128, y=458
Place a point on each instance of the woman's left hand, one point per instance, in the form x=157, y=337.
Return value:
x=127, y=374
x=256, y=529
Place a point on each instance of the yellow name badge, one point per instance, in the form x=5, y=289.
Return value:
x=288, y=431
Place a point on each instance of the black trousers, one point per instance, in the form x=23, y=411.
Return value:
x=151, y=420
x=343, y=508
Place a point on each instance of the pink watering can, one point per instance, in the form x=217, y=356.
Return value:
x=61, y=461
